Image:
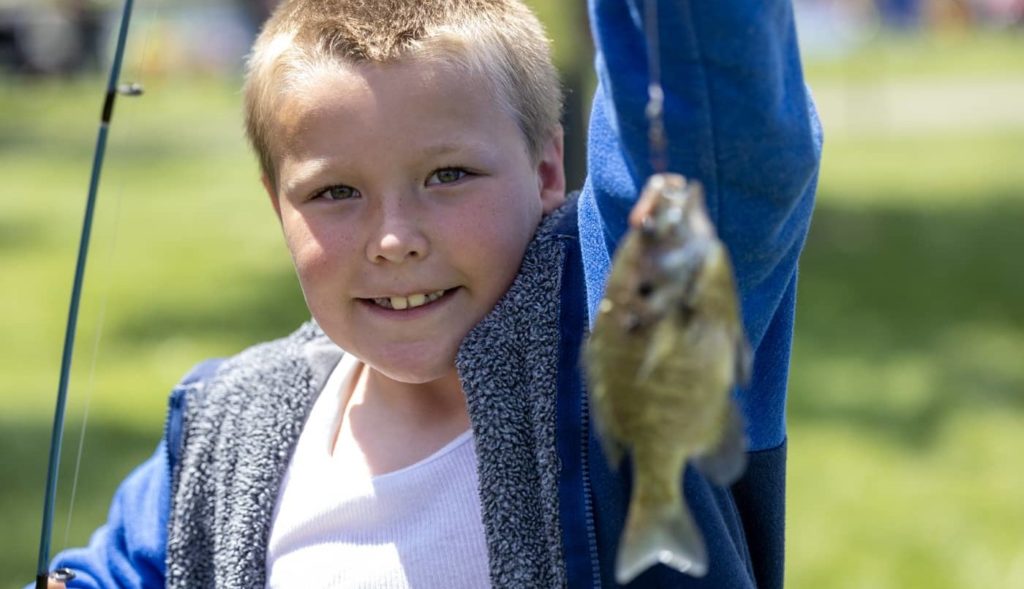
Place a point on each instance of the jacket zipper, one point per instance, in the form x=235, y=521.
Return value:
x=588, y=501
x=174, y=417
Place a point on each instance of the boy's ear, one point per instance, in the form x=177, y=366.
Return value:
x=268, y=185
x=551, y=171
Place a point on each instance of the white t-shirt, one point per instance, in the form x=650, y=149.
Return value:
x=338, y=527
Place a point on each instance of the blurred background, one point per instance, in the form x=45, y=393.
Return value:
x=906, y=413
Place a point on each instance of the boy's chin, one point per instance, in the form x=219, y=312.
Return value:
x=418, y=363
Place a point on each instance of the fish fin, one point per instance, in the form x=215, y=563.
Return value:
x=602, y=420
x=663, y=534
x=724, y=463
x=659, y=349
x=613, y=449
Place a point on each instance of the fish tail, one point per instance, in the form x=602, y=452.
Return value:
x=663, y=533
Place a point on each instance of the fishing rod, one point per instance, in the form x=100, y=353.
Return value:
x=56, y=435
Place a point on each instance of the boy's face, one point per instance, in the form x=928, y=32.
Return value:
x=407, y=198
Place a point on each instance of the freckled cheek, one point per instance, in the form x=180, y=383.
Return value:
x=322, y=260
x=494, y=243
x=510, y=216
x=479, y=237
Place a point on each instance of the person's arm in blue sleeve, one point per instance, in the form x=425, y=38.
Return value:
x=129, y=549
x=738, y=119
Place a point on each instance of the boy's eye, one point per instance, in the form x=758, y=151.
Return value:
x=447, y=176
x=339, y=192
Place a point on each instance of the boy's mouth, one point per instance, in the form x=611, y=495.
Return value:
x=410, y=302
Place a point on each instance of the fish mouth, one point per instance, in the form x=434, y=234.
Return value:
x=412, y=301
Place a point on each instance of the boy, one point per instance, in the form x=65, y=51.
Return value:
x=412, y=153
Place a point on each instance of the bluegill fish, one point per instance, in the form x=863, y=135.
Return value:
x=666, y=350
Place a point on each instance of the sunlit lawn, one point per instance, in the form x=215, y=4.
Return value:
x=907, y=387
x=907, y=396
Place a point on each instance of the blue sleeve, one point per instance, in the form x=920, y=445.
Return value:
x=130, y=549
x=740, y=120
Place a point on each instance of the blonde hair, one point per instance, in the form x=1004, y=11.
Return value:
x=500, y=39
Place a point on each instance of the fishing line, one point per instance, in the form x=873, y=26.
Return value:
x=655, y=111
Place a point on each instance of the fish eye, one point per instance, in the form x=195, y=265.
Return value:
x=687, y=311
x=648, y=229
x=645, y=289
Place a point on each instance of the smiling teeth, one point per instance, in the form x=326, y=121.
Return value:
x=409, y=302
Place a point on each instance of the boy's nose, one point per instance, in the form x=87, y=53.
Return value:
x=398, y=237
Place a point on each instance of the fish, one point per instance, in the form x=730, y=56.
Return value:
x=665, y=353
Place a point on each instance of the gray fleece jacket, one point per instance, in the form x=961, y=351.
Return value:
x=240, y=427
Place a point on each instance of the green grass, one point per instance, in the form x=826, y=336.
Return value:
x=907, y=385
x=907, y=388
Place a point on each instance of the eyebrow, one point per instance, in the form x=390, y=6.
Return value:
x=308, y=172
x=449, y=148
